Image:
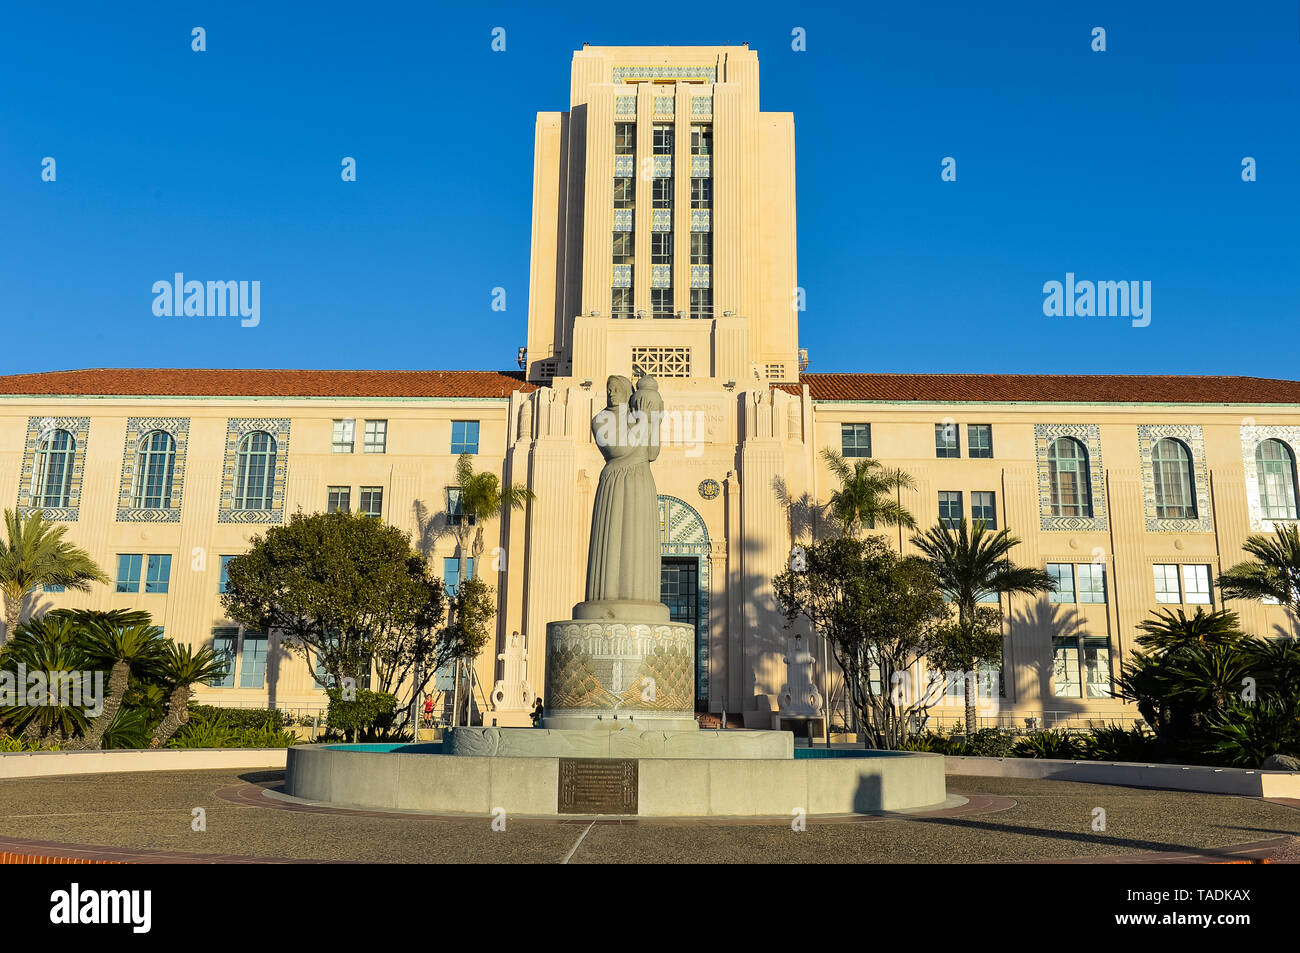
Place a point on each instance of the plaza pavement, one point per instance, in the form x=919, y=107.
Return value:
x=148, y=817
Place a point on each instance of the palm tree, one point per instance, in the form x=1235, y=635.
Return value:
x=867, y=494
x=1169, y=631
x=971, y=563
x=124, y=640
x=182, y=668
x=36, y=554
x=482, y=497
x=1274, y=574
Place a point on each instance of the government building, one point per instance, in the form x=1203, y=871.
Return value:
x=664, y=243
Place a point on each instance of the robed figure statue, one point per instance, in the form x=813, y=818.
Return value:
x=623, y=555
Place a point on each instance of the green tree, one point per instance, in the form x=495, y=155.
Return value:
x=36, y=554
x=878, y=611
x=126, y=643
x=868, y=493
x=1273, y=573
x=346, y=592
x=972, y=563
x=181, y=668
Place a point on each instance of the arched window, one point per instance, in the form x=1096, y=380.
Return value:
x=1276, y=465
x=155, y=463
x=52, y=475
x=1067, y=474
x=1171, y=468
x=255, y=471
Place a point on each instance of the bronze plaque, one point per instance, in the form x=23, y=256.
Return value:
x=598, y=786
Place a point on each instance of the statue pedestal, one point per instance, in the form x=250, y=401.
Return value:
x=620, y=673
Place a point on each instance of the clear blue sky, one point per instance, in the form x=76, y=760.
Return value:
x=225, y=165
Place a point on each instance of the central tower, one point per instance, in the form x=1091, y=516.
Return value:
x=664, y=223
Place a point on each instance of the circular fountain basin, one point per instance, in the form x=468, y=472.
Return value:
x=421, y=777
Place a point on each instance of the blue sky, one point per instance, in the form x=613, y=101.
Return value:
x=1122, y=165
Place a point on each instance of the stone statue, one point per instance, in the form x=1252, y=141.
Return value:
x=800, y=696
x=623, y=553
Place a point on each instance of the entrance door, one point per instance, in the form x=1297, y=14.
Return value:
x=679, y=590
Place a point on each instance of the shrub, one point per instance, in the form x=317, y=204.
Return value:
x=990, y=743
x=206, y=734
x=1049, y=743
x=18, y=744
x=256, y=718
x=1242, y=736
x=1117, y=743
x=369, y=712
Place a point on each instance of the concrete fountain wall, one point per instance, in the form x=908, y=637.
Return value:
x=667, y=787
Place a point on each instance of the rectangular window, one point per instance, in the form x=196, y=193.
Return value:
x=663, y=139
x=621, y=303
x=253, y=667
x=947, y=440
x=983, y=506
x=980, y=439
x=701, y=193
x=624, y=138
x=661, y=248
x=661, y=193
x=343, y=435
x=464, y=436
x=223, y=644
x=1092, y=582
x=224, y=584
x=339, y=500
x=661, y=302
x=623, y=248
x=950, y=508
x=701, y=248
x=624, y=191
x=855, y=440
x=128, y=573
x=701, y=302
x=1166, y=577
x=1196, y=585
x=1066, y=676
x=454, y=511
x=376, y=436
x=451, y=573
x=1063, y=573
x=1096, y=666
x=701, y=139
x=372, y=501
x=158, y=574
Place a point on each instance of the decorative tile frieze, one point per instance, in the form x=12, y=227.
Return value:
x=624, y=105
x=624, y=166
x=701, y=276
x=623, y=73
x=1251, y=437
x=1192, y=437
x=622, y=276
x=663, y=167
x=701, y=220
x=701, y=105
x=664, y=105
x=37, y=429
x=236, y=429
x=137, y=428
x=701, y=167
x=661, y=276
x=661, y=220
x=622, y=219
x=1090, y=436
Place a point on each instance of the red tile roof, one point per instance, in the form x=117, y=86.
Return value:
x=942, y=388
x=1111, y=388
x=172, y=382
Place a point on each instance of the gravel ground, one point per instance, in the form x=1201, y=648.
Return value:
x=1049, y=820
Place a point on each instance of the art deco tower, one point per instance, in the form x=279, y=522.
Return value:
x=664, y=222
